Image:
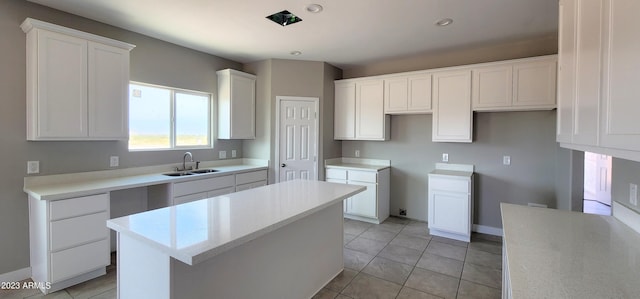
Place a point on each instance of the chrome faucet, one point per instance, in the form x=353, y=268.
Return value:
x=184, y=160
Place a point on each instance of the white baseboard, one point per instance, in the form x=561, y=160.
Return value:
x=489, y=230
x=17, y=275
x=627, y=216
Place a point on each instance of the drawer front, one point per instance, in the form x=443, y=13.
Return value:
x=223, y=191
x=250, y=185
x=78, y=230
x=79, y=260
x=339, y=174
x=202, y=185
x=363, y=176
x=189, y=198
x=67, y=208
x=330, y=180
x=250, y=177
x=451, y=185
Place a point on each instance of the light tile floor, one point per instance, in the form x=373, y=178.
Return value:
x=395, y=259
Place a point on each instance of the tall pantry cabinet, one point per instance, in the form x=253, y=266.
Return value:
x=77, y=84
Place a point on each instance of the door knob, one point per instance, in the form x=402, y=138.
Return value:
x=283, y=165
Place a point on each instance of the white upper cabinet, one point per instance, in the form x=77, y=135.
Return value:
x=597, y=92
x=452, y=115
x=620, y=105
x=516, y=85
x=359, y=110
x=492, y=87
x=77, y=84
x=407, y=94
x=345, y=111
x=236, y=105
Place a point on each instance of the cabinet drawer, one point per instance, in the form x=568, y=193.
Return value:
x=79, y=260
x=79, y=230
x=202, y=185
x=250, y=177
x=250, y=185
x=452, y=185
x=189, y=198
x=336, y=181
x=363, y=176
x=339, y=174
x=223, y=191
x=67, y=208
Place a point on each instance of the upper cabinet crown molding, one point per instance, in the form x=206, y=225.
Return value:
x=30, y=24
x=77, y=84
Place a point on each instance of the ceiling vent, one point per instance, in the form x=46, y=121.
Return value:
x=284, y=18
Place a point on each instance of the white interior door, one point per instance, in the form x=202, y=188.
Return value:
x=297, y=138
x=597, y=177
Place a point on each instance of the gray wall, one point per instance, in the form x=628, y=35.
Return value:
x=152, y=61
x=624, y=172
x=528, y=137
x=292, y=78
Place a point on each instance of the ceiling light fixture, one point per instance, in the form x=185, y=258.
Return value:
x=295, y=53
x=314, y=8
x=444, y=22
x=284, y=18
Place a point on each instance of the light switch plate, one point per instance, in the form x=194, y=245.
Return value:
x=33, y=167
x=506, y=160
x=222, y=154
x=234, y=153
x=445, y=157
x=633, y=194
x=357, y=153
x=114, y=161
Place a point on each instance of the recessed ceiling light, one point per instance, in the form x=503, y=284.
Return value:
x=314, y=8
x=444, y=22
x=295, y=53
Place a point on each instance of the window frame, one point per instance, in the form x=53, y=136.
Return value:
x=172, y=115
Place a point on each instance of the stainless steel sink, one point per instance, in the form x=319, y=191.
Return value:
x=200, y=171
x=182, y=173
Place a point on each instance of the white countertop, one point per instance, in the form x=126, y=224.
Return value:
x=357, y=164
x=80, y=184
x=196, y=231
x=563, y=254
x=446, y=169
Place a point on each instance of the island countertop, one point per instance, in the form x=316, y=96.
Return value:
x=562, y=254
x=196, y=231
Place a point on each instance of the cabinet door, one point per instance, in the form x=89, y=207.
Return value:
x=345, y=111
x=620, y=104
x=365, y=202
x=61, y=86
x=346, y=202
x=534, y=84
x=419, y=93
x=452, y=116
x=492, y=87
x=243, y=107
x=566, y=70
x=449, y=211
x=588, y=72
x=108, y=92
x=370, y=118
x=396, y=94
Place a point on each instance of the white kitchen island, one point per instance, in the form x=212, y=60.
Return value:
x=277, y=241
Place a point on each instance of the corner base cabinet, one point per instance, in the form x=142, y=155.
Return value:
x=450, y=203
x=69, y=240
x=371, y=205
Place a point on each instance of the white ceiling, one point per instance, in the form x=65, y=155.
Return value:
x=346, y=33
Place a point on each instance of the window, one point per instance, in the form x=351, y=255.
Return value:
x=167, y=118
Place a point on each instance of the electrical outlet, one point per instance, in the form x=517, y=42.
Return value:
x=445, y=157
x=402, y=212
x=222, y=154
x=234, y=153
x=357, y=153
x=633, y=194
x=33, y=167
x=506, y=160
x=114, y=161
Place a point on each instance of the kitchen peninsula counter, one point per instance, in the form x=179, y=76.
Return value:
x=550, y=253
x=277, y=241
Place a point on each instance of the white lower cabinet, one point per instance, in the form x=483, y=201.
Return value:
x=371, y=205
x=69, y=240
x=199, y=189
x=250, y=180
x=450, y=204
